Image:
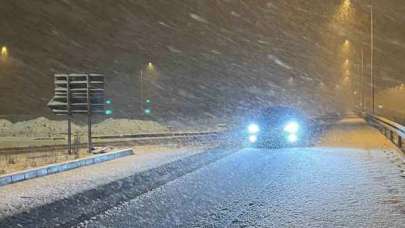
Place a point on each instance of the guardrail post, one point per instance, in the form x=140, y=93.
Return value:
x=391, y=136
x=399, y=141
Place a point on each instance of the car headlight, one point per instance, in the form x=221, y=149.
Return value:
x=252, y=138
x=253, y=128
x=292, y=138
x=292, y=127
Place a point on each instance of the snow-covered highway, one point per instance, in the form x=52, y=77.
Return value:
x=351, y=179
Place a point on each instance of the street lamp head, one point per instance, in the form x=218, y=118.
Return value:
x=4, y=52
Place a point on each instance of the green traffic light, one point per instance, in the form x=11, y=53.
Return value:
x=147, y=111
x=148, y=101
x=108, y=101
x=108, y=112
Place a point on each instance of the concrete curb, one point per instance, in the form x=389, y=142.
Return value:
x=60, y=167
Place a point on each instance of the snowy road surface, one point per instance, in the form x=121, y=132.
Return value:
x=26, y=195
x=352, y=178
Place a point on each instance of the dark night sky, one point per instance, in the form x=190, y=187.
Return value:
x=211, y=57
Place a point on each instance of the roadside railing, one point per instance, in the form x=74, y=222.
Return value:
x=154, y=135
x=109, y=140
x=33, y=156
x=393, y=131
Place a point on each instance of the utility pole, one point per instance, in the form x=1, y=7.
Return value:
x=372, y=59
x=361, y=79
x=141, y=81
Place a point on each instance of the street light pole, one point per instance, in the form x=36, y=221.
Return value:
x=372, y=59
x=361, y=79
x=141, y=82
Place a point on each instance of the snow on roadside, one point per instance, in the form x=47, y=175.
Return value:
x=43, y=127
x=47, y=189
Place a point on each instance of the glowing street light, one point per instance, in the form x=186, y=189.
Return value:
x=344, y=12
x=346, y=4
x=345, y=47
x=150, y=71
x=150, y=66
x=4, y=52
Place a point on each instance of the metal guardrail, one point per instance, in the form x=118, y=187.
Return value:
x=134, y=138
x=393, y=131
x=154, y=135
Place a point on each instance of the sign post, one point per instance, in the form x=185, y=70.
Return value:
x=69, y=115
x=89, y=113
x=78, y=94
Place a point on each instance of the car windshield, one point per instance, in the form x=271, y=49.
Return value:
x=279, y=113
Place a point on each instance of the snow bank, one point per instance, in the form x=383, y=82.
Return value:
x=43, y=127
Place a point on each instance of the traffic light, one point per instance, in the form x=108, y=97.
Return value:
x=148, y=106
x=108, y=110
x=147, y=111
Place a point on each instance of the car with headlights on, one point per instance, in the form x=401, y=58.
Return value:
x=277, y=126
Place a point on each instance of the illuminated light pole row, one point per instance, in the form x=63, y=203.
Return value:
x=345, y=83
x=344, y=10
x=347, y=73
